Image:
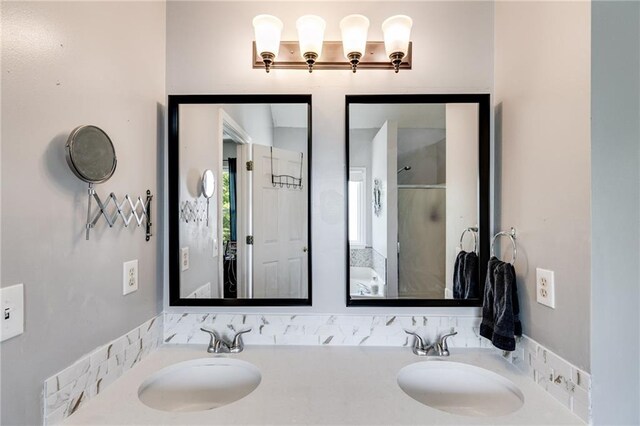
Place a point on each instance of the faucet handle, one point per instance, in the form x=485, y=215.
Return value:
x=418, y=342
x=213, y=340
x=237, y=345
x=443, y=342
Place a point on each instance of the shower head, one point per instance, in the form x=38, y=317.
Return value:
x=404, y=169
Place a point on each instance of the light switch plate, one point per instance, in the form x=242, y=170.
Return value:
x=184, y=258
x=12, y=299
x=129, y=277
x=545, y=288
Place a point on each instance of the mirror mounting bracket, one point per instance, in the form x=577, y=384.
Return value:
x=140, y=210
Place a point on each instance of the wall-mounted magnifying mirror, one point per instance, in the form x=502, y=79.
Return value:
x=253, y=247
x=418, y=182
x=90, y=154
x=92, y=158
x=208, y=188
x=208, y=184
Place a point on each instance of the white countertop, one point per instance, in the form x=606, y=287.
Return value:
x=317, y=385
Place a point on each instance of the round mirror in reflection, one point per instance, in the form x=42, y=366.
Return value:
x=208, y=184
x=90, y=154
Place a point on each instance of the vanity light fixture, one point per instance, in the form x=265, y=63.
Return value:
x=354, y=29
x=312, y=52
x=311, y=36
x=397, y=31
x=268, y=30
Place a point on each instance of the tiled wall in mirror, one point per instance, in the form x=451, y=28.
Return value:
x=417, y=190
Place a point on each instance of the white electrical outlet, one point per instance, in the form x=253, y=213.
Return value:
x=184, y=258
x=545, y=288
x=215, y=248
x=129, y=277
x=12, y=299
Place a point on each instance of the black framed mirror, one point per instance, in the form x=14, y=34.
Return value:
x=417, y=199
x=239, y=200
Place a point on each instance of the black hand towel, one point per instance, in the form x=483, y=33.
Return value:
x=500, y=310
x=488, y=305
x=458, y=275
x=471, y=276
x=465, y=276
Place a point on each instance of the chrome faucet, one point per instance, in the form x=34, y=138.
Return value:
x=439, y=348
x=237, y=345
x=217, y=345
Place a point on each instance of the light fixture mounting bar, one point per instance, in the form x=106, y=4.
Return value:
x=332, y=57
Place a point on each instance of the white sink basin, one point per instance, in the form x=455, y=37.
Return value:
x=460, y=388
x=200, y=384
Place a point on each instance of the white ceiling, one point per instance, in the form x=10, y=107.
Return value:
x=289, y=115
x=408, y=116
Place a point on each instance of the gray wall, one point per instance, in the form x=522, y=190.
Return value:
x=200, y=139
x=615, y=161
x=452, y=51
x=291, y=138
x=542, y=96
x=425, y=151
x=63, y=65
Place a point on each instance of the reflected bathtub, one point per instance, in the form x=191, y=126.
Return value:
x=365, y=283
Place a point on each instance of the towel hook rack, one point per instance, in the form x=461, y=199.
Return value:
x=512, y=237
x=286, y=180
x=474, y=232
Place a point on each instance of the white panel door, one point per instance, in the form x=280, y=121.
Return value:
x=384, y=227
x=280, y=236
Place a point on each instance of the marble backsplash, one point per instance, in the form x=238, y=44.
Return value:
x=349, y=330
x=565, y=382
x=68, y=390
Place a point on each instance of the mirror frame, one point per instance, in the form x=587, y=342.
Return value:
x=484, y=189
x=173, y=163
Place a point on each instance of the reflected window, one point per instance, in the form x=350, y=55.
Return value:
x=357, y=207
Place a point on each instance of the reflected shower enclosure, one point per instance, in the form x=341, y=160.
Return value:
x=421, y=241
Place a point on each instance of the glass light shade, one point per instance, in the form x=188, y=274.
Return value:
x=311, y=34
x=354, y=30
x=268, y=30
x=397, y=31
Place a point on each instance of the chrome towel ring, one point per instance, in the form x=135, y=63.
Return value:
x=512, y=237
x=474, y=232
